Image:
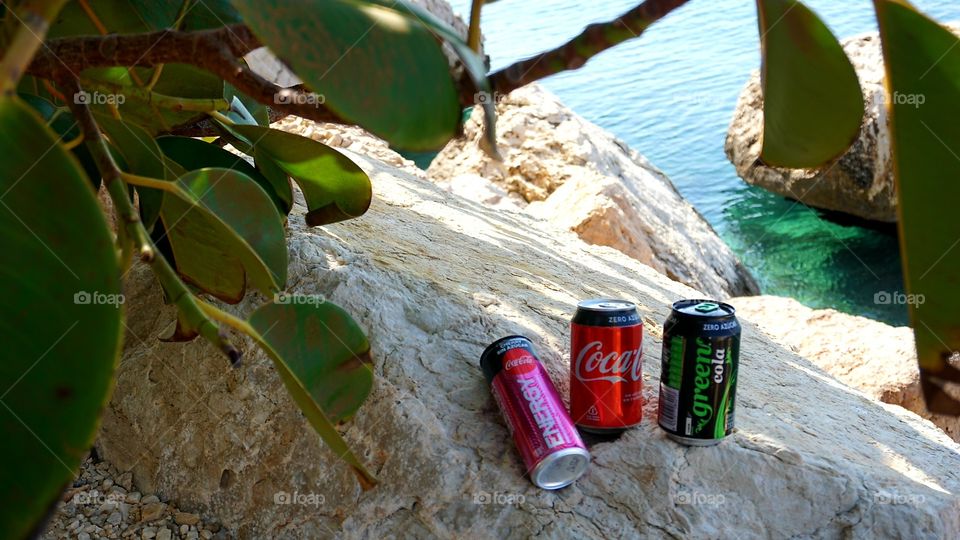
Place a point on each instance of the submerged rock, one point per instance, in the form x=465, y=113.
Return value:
x=433, y=278
x=577, y=176
x=860, y=182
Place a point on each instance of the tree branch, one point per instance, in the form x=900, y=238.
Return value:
x=133, y=228
x=218, y=51
x=594, y=39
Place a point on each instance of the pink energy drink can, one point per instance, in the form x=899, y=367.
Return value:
x=551, y=448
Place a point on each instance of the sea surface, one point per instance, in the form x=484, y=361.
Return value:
x=671, y=94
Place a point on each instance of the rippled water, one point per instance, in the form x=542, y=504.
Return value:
x=671, y=95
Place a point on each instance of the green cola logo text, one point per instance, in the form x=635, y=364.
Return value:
x=710, y=368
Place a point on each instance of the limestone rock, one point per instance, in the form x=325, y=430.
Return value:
x=433, y=278
x=580, y=178
x=860, y=182
x=876, y=358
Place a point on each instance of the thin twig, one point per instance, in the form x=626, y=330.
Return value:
x=594, y=39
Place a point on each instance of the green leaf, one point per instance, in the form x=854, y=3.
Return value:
x=65, y=125
x=923, y=77
x=59, y=352
x=334, y=187
x=375, y=65
x=142, y=157
x=475, y=65
x=813, y=105
x=225, y=233
x=195, y=154
x=323, y=358
x=254, y=108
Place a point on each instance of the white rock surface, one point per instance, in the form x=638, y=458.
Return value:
x=868, y=355
x=860, y=182
x=580, y=178
x=433, y=278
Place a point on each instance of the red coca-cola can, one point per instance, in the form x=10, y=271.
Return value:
x=606, y=366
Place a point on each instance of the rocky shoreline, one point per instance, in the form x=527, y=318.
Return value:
x=433, y=277
x=448, y=260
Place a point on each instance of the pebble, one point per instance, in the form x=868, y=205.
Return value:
x=133, y=497
x=83, y=536
x=150, y=499
x=164, y=534
x=115, y=518
x=107, y=484
x=148, y=532
x=126, y=480
x=186, y=518
x=152, y=511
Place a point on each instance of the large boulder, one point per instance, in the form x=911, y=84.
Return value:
x=868, y=355
x=579, y=177
x=433, y=278
x=860, y=182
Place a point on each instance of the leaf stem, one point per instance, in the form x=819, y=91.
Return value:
x=75, y=142
x=221, y=117
x=159, y=100
x=473, y=34
x=155, y=183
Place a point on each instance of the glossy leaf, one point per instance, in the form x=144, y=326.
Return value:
x=65, y=126
x=61, y=328
x=225, y=233
x=253, y=108
x=923, y=73
x=375, y=65
x=194, y=154
x=142, y=157
x=323, y=358
x=177, y=80
x=813, y=106
x=476, y=67
x=334, y=187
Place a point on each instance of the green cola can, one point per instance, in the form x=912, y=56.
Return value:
x=698, y=377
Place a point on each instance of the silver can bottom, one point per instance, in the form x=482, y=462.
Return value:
x=561, y=468
x=689, y=441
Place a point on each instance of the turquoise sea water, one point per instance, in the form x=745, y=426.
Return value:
x=671, y=94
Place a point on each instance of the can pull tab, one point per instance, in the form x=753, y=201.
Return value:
x=706, y=307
